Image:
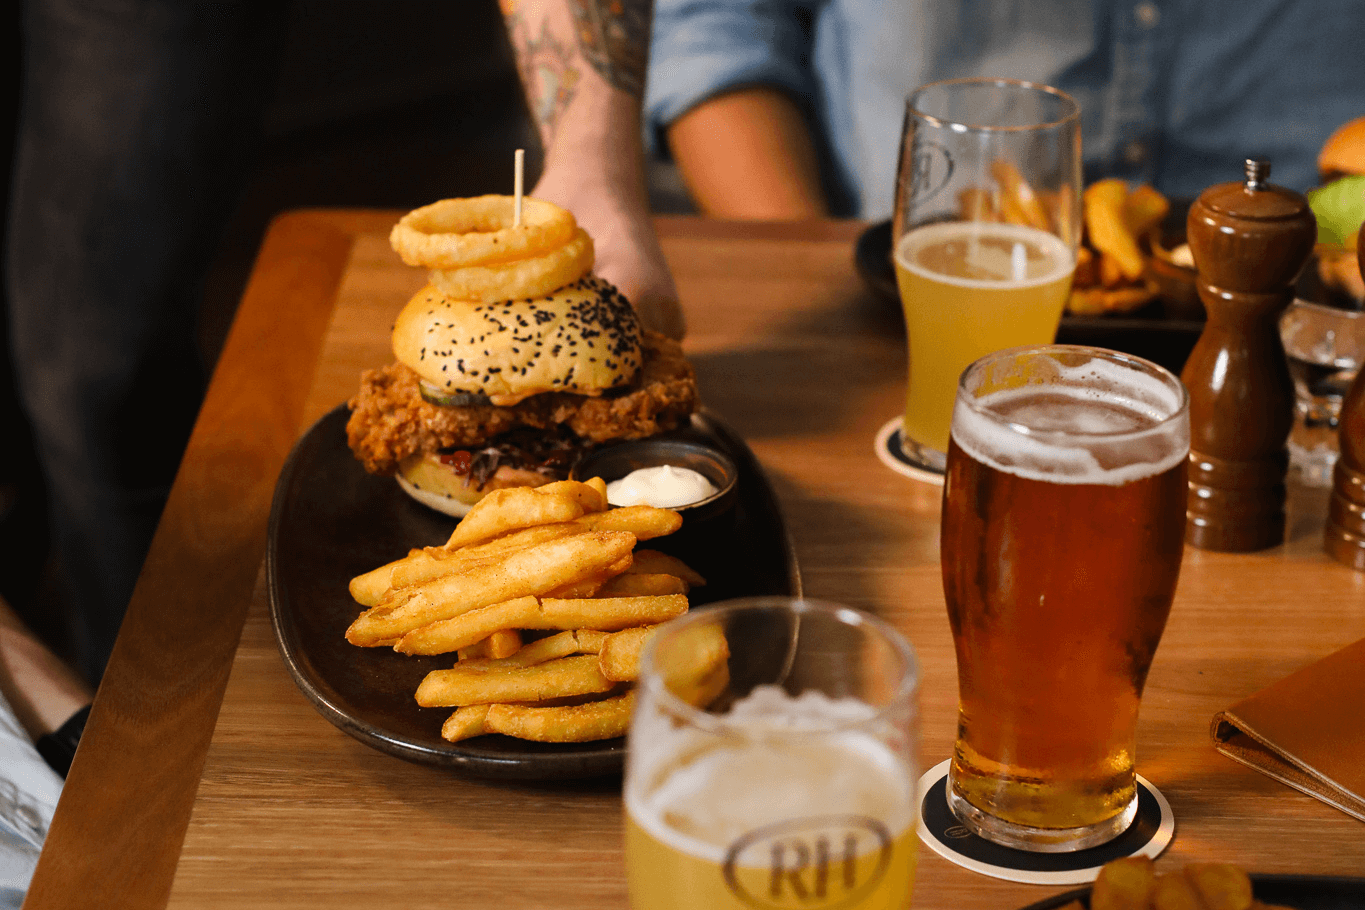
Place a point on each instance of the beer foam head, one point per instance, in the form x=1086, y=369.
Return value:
x=979, y=254
x=1105, y=420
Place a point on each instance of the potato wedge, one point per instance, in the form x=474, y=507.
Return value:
x=1103, y=202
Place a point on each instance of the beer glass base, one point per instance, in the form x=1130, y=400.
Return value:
x=924, y=457
x=1038, y=840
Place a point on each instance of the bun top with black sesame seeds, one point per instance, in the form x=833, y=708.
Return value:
x=584, y=338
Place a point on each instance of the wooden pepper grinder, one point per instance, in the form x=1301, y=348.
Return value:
x=1345, y=534
x=1250, y=241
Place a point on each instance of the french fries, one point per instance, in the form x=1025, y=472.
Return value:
x=1111, y=263
x=522, y=563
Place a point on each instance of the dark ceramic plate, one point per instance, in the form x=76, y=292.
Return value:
x=1148, y=332
x=331, y=521
x=1302, y=892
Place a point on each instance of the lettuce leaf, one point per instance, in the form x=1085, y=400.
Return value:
x=1339, y=207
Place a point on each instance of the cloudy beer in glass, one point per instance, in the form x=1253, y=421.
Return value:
x=795, y=785
x=984, y=235
x=968, y=289
x=1063, y=528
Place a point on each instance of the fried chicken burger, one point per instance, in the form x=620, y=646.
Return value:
x=491, y=393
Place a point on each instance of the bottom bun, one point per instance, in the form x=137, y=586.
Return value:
x=449, y=503
x=435, y=485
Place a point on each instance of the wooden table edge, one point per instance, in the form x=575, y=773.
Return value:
x=116, y=836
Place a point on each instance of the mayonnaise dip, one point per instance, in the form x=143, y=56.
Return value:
x=664, y=487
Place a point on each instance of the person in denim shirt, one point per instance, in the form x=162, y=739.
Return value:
x=783, y=108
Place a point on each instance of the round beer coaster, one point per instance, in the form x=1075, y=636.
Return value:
x=1148, y=835
x=896, y=457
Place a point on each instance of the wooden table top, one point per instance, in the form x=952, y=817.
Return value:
x=206, y=779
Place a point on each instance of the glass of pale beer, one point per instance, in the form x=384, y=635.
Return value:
x=772, y=761
x=1063, y=529
x=984, y=234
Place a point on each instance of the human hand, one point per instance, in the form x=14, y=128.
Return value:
x=627, y=249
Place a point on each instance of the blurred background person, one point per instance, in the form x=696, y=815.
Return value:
x=137, y=121
x=793, y=108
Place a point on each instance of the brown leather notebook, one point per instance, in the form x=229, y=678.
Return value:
x=1307, y=730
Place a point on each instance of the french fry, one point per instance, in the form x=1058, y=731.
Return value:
x=642, y=584
x=591, y=496
x=1124, y=884
x=645, y=522
x=563, y=644
x=603, y=719
x=466, y=722
x=1103, y=203
x=590, y=586
x=1063, y=209
x=975, y=204
x=1018, y=202
x=705, y=674
x=459, y=686
x=431, y=563
x=497, y=646
x=619, y=658
x=605, y=614
x=515, y=507
x=609, y=613
x=370, y=588
x=449, y=635
x=653, y=562
x=531, y=571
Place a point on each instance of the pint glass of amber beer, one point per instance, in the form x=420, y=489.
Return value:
x=771, y=761
x=1063, y=527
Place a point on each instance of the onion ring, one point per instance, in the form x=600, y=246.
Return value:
x=523, y=278
x=457, y=233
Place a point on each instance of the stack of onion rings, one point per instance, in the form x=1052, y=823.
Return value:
x=534, y=276
x=475, y=252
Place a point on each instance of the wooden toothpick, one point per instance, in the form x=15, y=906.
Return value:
x=520, y=169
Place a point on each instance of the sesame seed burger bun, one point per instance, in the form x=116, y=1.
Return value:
x=1343, y=153
x=584, y=338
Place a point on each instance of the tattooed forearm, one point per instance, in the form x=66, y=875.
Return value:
x=614, y=38
x=548, y=73
x=557, y=40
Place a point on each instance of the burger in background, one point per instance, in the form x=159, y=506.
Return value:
x=491, y=393
x=1339, y=205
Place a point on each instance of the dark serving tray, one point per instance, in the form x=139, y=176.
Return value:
x=331, y=521
x=1302, y=892
x=1148, y=332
